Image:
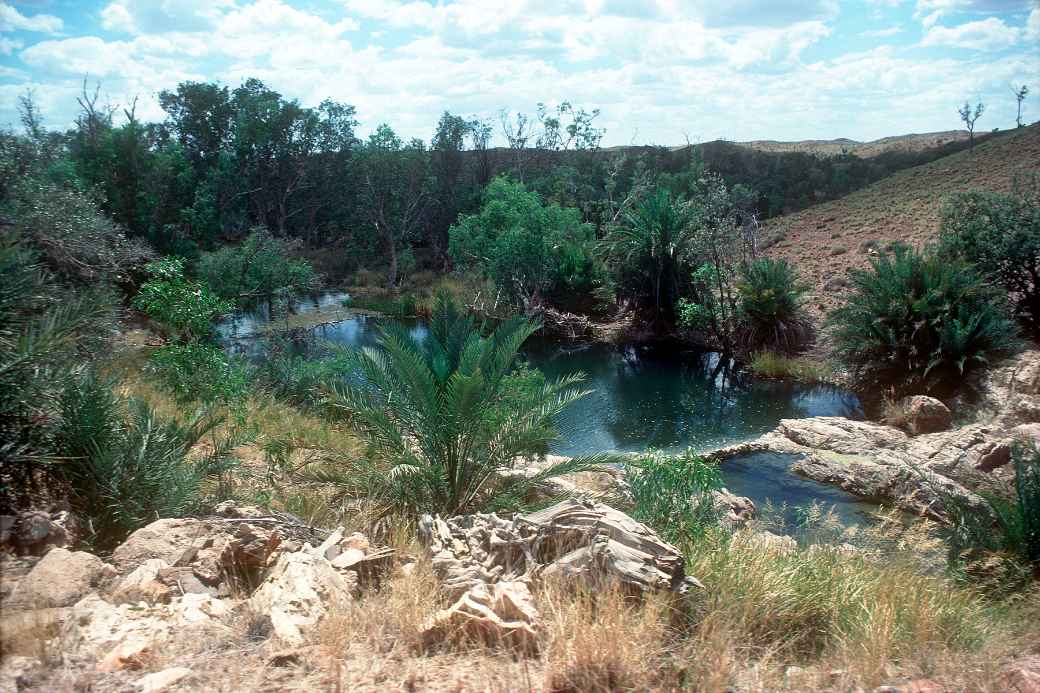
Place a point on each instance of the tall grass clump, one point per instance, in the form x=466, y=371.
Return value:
x=673, y=493
x=443, y=426
x=125, y=464
x=920, y=318
x=770, y=307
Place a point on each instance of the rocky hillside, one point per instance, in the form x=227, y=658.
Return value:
x=827, y=240
x=898, y=143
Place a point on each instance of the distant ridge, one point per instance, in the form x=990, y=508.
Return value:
x=913, y=142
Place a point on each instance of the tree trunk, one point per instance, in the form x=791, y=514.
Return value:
x=391, y=251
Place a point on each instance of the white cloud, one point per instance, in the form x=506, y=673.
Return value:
x=882, y=33
x=9, y=46
x=984, y=35
x=1032, y=32
x=13, y=20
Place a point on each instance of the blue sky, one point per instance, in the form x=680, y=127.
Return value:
x=660, y=71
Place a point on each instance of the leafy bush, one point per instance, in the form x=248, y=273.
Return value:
x=770, y=311
x=1000, y=234
x=442, y=425
x=125, y=464
x=260, y=268
x=183, y=307
x=200, y=372
x=673, y=493
x=919, y=317
x=527, y=248
x=300, y=379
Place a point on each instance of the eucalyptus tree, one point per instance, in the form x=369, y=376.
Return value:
x=394, y=191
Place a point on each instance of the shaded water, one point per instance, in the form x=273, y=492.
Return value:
x=663, y=397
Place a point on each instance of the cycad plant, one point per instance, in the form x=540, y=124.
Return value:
x=917, y=316
x=770, y=302
x=444, y=425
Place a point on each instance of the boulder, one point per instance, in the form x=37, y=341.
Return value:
x=298, y=592
x=500, y=614
x=59, y=579
x=143, y=585
x=220, y=554
x=35, y=532
x=734, y=511
x=125, y=636
x=926, y=414
x=839, y=434
x=574, y=538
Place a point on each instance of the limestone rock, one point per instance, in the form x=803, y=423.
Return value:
x=174, y=540
x=839, y=434
x=298, y=593
x=125, y=636
x=926, y=414
x=500, y=614
x=143, y=585
x=159, y=681
x=59, y=579
x=576, y=538
x=734, y=511
x=35, y=532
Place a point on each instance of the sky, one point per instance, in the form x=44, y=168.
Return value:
x=659, y=71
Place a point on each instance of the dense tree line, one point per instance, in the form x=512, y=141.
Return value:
x=225, y=161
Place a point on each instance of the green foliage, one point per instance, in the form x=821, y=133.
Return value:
x=1012, y=525
x=184, y=307
x=527, y=248
x=769, y=304
x=197, y=372
x=261, y=267
x=126, y=465
x=919, y=317
x=650, y=249
x=45, y=331
x=673, y=493
x=300, y=379
x=442, y=428
x=1000, y=234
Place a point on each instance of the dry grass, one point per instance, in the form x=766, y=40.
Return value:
x=768, y=364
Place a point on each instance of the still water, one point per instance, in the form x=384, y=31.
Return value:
x=663, y=397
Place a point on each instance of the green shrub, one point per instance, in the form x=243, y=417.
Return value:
x=1000, y=234
x=198, y=372
x=770, y=310
x=126, y=465
x=441, y=419
x=260, y=268
x=673, y=493
x=527, y=248
x=299, y=379
x=919, y=317
x=184, y=308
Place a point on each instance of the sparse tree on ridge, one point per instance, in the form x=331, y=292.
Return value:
x=1020, y=96
x=969, y=117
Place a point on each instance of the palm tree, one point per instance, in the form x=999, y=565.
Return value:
x=443, y=424
x=651, y=245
